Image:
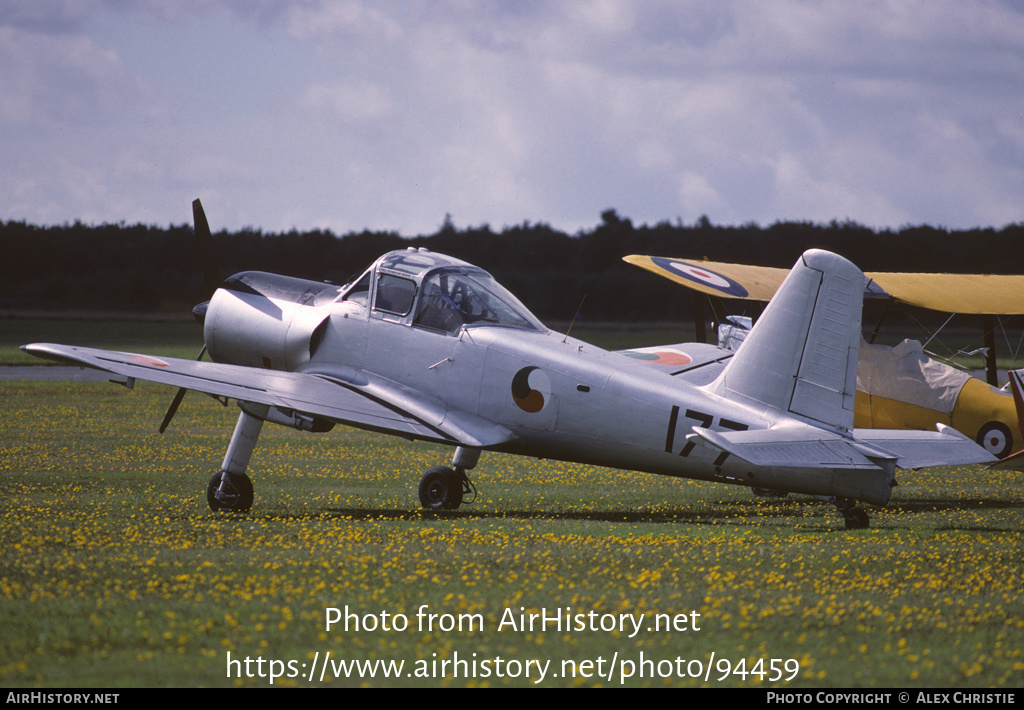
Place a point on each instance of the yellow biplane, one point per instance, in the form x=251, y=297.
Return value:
x=901, y=387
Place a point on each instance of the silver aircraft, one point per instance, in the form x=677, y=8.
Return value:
x=425, y=346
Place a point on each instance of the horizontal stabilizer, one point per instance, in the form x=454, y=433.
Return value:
x=919, y=449
x=791, y=448
x=347, y=396
x=814, y=448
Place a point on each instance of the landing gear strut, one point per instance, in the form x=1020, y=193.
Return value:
x=442, y=488
x=856, y=518
x=230, y=489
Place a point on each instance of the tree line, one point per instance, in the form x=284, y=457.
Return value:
x=118, y=267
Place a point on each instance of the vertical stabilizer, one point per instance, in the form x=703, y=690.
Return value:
x=801, y=355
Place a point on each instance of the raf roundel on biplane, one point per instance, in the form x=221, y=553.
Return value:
x=900, y=387
x=426, y=346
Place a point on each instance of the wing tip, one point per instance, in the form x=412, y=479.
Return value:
x=49, y=351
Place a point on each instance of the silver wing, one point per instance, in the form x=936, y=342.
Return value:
x=340, y=394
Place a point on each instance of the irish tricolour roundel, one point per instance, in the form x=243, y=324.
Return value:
x=698, y=274
x=660, y=355
x=147, y=360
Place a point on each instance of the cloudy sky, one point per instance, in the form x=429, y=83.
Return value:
x=352, y=114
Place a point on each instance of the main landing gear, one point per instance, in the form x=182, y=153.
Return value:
x=856, y=518
x=442, y=488
x=230, y=489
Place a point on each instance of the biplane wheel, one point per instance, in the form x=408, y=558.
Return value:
x=997, y=439
x=229, y=491
x=441, y=489
x=856, y=519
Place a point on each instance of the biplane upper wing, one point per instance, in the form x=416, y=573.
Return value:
x=343, y=395
x=953, y=293
x=715, y=278
x=982, y=294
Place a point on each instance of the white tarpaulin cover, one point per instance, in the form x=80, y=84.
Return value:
x=905, y=374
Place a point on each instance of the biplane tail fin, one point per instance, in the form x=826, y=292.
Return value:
x=1015, y=461
x=801, y=355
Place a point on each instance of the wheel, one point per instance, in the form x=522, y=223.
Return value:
x=997, y=439
x=441, y=489
x=229, y=491
x=856, y=519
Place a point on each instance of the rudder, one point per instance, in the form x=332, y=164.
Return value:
x=801, y=355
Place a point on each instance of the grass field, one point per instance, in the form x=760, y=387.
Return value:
x=114, y=572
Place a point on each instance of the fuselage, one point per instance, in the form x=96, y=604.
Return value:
x=445, y=329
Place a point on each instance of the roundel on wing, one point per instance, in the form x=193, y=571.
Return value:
x=530, y=386
x=147, y=360
x=659, y=355
x=705, y=277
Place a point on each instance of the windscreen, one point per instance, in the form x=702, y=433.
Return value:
x=450, y=300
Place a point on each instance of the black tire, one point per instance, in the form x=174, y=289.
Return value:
x=856, y=519
x=441, y=489
x=235, y=495
x=996, y=438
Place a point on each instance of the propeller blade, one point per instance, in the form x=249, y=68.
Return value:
x=176, y=402
x=211, y=274
x=204, y=244
x=172, y=410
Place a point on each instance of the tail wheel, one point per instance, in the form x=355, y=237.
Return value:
x=856, y=519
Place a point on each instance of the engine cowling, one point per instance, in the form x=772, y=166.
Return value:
x=265, y=320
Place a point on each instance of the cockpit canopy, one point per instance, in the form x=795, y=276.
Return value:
x=437, y=292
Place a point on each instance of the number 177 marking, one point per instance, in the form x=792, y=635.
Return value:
x=706, y=421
